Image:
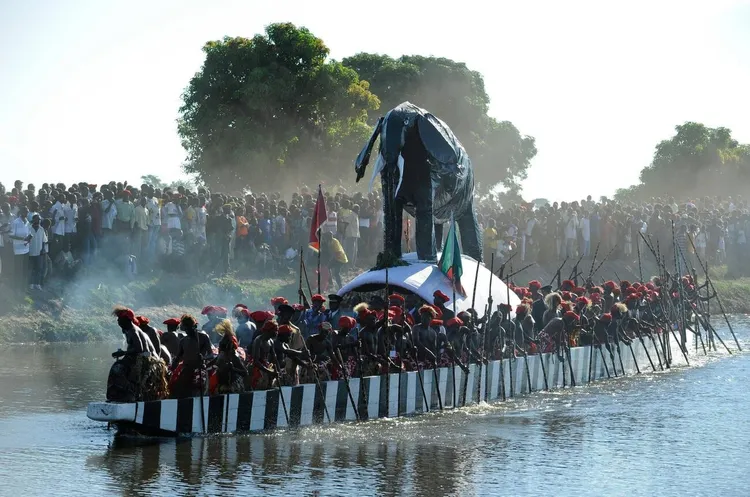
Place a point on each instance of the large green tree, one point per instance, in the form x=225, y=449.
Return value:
x=697, y=160
x=272, y=109
x=457, y=95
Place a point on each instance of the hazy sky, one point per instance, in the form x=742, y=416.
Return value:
x=88, y=87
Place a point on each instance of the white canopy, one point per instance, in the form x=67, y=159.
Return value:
x=423, y=279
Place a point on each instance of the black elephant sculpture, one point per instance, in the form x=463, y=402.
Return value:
x=425, y=170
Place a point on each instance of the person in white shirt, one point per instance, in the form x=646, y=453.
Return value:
x=21, y=236
x=37, y=252
x=154, y=226
x=58, y=223
x=70, y=210
x=571, y=232
x=585, y=226
x=173, y=213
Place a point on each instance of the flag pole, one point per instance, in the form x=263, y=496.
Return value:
x=320, y=237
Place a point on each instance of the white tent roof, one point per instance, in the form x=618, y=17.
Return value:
x=423, y=279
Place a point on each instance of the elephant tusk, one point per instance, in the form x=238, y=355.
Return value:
x=401, y=173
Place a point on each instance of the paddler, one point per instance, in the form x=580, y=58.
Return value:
x=264, y=371
x=171, y=338
x=313, y=316
x=245, y=326
x=440, y=299
x=190, y=378
x=230, y=369
x=321, y=353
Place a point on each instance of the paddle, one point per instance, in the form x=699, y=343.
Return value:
x=340, y=360
x=278, y=382
x=203, y=391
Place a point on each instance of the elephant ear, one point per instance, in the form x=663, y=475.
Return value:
x=439, y=141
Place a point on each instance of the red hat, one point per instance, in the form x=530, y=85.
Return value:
x=125, y=193
x=607, y=318
x=436, y=322
x=637, y=285
x=242, y=306
x=579, y=290
x=395, y=296
x=565, y=306
x=281, y=300
x=270, y=325
x=582, y=300
x=630, y=290
x=610, y=284
x=172, y=322
x=535, y=284
x=141, y=320
x=454, y=322
x=126, y=314
x=565, y=295
x=347, y=322
x=244, y=312
x=284, y=329
x=571, y=315
x=298, y=307
x=521, y=310
x=395, y=312
x=625, y=283
x=567, y=285
x=650, y=286
x=207, y=310
x=261, y=316
x=441, y=295
x=318, y=298
x=596, y=297
x=222, y=311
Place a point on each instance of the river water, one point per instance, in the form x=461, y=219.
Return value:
x=682, y=432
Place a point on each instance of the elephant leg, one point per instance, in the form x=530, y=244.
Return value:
x=471, y=236
x=392, y=219
x=424, y=232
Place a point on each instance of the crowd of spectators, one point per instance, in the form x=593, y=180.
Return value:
x=59, y=230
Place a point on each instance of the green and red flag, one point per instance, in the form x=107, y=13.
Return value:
x=450, y=260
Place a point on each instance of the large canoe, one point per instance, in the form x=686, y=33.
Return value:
x=384, y=396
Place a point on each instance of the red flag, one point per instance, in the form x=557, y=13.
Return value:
x=319, y=217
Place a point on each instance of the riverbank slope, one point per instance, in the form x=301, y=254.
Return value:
x=80, y=311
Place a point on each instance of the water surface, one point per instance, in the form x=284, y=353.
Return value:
x=682, y=432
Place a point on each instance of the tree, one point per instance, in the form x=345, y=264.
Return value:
x=456, y=95
x=697, y=160
x=270, y=109
x=153, y=180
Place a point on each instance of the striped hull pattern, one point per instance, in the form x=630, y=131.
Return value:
x=392, y=395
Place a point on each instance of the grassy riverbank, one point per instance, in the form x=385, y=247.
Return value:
x=79, y=312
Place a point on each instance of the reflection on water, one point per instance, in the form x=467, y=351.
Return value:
x=633, y=436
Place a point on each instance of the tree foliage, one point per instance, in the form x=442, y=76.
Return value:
x=457, y=95
x=153, y=180
x=273, y=108
x=696, y=161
